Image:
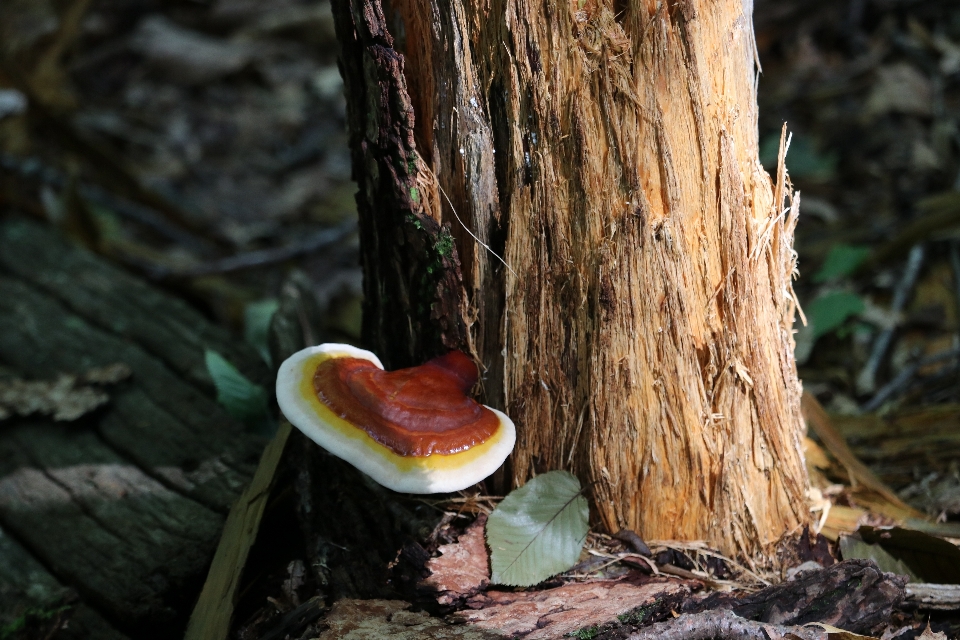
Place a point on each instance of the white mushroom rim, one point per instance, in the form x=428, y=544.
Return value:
x=436, y=473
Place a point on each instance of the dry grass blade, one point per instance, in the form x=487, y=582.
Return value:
x=819, y=421
x=214, y=609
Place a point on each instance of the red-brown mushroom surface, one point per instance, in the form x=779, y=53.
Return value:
x=414, y=430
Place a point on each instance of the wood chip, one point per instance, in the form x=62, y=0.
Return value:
x=462, y=569
x=538, y=615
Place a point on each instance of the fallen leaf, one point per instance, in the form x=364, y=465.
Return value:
x=63, y=398
x=900, y=88
x=538, y=530
x=929, y=634
x=851, y=547
x=833, y=633
x=930, y=558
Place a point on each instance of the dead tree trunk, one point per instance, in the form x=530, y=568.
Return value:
x=638, y=328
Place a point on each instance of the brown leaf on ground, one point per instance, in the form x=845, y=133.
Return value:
x=929, y=634
x=900, y=88
x=65, y=398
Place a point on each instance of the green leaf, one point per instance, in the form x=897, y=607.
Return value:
x=929, y=558
x=244, y=400
x=831, y=310
x=851, y=548
x=256, y=326
x=538, y=530
x=842, y=260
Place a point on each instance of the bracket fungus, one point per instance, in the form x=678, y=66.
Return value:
x=413, y=430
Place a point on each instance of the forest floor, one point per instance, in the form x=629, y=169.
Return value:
x=201, y=146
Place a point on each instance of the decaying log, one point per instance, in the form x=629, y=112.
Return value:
x=607, y=152
x=852, y=595
x=391, y=619
x=723, y=625
x=119, y=303
x=124, y=505
x=934, y=597
x=25, y=586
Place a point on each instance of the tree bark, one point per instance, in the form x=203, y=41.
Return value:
x=621, y=263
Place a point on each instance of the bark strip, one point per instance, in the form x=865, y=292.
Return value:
x=412, y=288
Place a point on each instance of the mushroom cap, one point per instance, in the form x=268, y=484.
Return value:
x=413, y=430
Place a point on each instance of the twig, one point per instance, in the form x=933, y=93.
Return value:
x=691, y=575
x=867, y=380
x=903, y=378
x=700, y=547
x=722, y=625
x=263, y=257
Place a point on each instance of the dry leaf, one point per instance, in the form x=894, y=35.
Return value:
x=929, y=634
x=900, y=88
x=833, y=633
x=65, y=398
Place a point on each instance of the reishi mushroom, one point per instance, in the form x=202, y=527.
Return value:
x=413, y=430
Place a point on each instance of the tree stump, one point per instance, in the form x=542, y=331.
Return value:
x=571, y=192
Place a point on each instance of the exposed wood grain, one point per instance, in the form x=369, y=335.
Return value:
x=938, y=597
x=117, y=302
x=127, y=544
x=160, y=421
x=560, y=612
x=124, y=506
x=26, y=585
